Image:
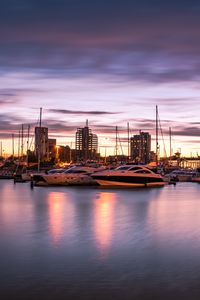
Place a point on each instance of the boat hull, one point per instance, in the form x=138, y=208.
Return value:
x=128, y=184
x=6, y=176
x=63, y=180
x=196, y=179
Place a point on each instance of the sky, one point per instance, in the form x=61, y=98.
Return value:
x=110, y=62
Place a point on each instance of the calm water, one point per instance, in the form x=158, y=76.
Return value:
x=89, y=243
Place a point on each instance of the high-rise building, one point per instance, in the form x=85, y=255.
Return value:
x=41, y=142
x=86, y=144
x=140, y=147
x=64, y=153
x=51, y=149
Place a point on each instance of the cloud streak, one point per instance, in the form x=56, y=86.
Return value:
x=70, y=39
x=81, y=112
x=90, y=51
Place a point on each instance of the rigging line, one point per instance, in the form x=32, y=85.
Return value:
x=165, y=152
x=32, y=138
x=120, y=144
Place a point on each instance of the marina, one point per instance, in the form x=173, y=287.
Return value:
x=99, y=150
x=95, y=243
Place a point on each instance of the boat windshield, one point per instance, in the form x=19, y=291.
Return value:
x=135, y=169
x=74, y=170
x=123, y=168
x=56, y=171
x=143, y=171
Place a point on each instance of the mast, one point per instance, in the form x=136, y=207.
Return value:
x=116, y=141
x=105, y=155
x=39, y=148
x=27, y=149
x=22, y=141
x=13, y=147
x=40, y=117
x=70, y=153
x=1, y=152
x=170, y=143
x=19, y=137
x=156, y=136
x=128, y=132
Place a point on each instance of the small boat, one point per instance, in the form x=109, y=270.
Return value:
x=181, y=175
x=129, y=176
x=196, y=179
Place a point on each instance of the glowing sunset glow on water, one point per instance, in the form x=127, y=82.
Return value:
x=95, y=243
x=104, y=221
x=55, y=209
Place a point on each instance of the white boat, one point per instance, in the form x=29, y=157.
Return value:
x=181, y=175
x=129, y=176
x=27, y=176
x=76, y=175
x=196, y=179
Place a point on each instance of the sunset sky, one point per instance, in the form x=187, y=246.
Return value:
x=107, y=61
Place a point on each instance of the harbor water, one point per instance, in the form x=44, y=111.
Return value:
x=94, y=243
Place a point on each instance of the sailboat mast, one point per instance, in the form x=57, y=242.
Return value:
x=156, y=136
x=22, y=140
x=128, y=132
x=170, y=143
x=40, y=117
x=39, y=148
x=13, y=147
x=19, y=139
x=116, y=146
x=27, y=150
x=1, y=151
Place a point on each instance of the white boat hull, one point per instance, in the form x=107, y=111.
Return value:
x=65, y=179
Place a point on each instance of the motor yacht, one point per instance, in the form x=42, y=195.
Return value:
x=27, y=176
x=76, y=175
x=129, y=176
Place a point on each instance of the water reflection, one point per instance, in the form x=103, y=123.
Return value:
x=79, y=243
x=175, y=217
x=11, y=210
x=55, y=208
x=104, y=221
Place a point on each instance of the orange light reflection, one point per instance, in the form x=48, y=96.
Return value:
x=103, y=221
x=56, y=204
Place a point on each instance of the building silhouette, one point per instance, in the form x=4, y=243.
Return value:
x=86, y=144
x=140, y=147
x=51, y=149
x=41, y=142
